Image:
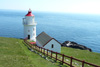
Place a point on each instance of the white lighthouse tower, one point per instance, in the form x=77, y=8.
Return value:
x=29, y=26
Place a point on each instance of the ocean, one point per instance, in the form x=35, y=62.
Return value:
x=81, y=28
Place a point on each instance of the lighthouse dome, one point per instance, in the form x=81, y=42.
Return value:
x=29, y=18
x=29, y=13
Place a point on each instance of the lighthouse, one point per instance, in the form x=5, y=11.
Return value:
x=29, y=26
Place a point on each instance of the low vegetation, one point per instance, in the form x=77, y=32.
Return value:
x=74, y=53
x=90, y=57
x=30, y=40
x=13, y=53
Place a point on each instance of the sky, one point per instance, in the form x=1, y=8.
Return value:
x=64, y=6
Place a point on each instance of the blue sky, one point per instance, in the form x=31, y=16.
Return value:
x=68, y=6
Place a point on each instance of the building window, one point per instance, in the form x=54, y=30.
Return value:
x=52, y=46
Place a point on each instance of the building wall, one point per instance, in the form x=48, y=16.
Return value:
x=29, y=20
x=30, y=30
x=38, y=44
x=56, y=47
x=29, y=27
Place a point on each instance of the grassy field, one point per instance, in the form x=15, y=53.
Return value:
x=82, y=55
x=90, y=57
x=13, y=53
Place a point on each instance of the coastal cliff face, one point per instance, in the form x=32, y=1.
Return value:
x=75, y=45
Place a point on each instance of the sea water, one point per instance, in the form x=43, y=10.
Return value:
x=81, y=28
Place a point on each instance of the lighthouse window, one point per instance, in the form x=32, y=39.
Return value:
x=52, y=46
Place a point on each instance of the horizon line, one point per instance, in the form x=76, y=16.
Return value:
x=52, y=11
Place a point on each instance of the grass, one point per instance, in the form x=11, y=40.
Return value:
x=30, y=40
x=13, y=53
x=91, y=57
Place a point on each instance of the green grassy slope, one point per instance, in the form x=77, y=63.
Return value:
x=82, y=55
x=13, y=53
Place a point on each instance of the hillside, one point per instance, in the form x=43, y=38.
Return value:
x=13, y=53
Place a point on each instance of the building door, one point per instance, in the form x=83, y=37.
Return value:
x=28, y=36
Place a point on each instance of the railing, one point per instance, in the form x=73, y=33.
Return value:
x=56, y=57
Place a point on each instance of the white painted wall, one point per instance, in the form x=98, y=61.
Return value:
x=29, y=27
x=30, y=30
x=57, y=46
x=29, y=20
x=38, y=44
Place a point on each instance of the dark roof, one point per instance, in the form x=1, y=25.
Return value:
x=43, y=39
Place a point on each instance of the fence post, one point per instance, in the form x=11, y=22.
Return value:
x=56, y=56
x=44, y=51
x=47, y=52
x=38, y=48
x=51, y=53
x=41, y=49
x=83, y=63
x=62, y=59
x=71, y=61
x=31, y=46
x=35, y=46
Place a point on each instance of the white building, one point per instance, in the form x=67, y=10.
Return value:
x=44, y=40
x=29, y=26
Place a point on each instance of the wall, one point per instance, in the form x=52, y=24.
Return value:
x=57, y=46
x=29, y=27
x=38, y=44
x=30, y=30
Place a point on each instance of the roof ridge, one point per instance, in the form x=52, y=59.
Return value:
x=44, y=38
x=50, y=40
x=44, y=33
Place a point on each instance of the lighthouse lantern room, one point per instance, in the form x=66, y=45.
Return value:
x=29, y=26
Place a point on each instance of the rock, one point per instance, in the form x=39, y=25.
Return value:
x=75, y=45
